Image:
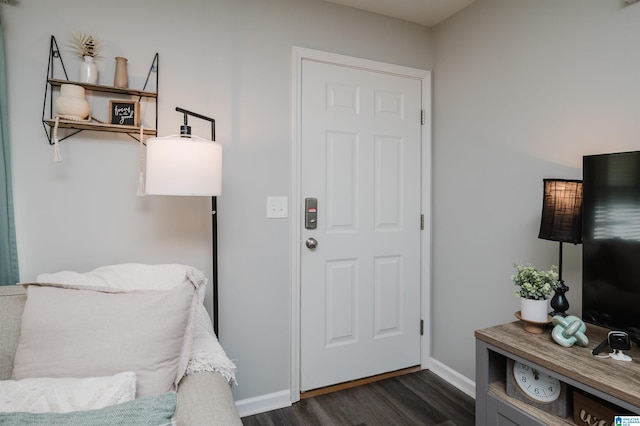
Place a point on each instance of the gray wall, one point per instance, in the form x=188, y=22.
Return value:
x=522, y=90
x=228, y=59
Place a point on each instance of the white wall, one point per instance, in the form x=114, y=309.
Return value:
x=228, y=59
x=522, y=90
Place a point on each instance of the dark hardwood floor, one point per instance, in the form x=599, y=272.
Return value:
x=420, y=398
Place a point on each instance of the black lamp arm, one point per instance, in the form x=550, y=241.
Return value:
x=202, y=117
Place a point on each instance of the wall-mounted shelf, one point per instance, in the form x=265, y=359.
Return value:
x=99, y=127
x=105, y=89
x=53, y=86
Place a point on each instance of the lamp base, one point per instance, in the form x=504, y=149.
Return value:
x=559, y=302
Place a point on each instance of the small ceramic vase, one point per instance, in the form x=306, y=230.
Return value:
x=121, y=79
x=88, y=71
x=71, y=103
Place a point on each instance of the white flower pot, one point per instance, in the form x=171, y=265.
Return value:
x=534, y=310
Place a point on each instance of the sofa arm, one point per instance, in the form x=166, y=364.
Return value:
x=205, y=399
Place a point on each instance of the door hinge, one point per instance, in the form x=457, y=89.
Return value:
x=422, y=116
x=422, y=327
x=422, y=222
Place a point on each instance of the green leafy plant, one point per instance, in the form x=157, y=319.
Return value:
x=85, y=45
x=535, y=284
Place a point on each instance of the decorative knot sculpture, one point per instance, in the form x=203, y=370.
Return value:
x=569, y=331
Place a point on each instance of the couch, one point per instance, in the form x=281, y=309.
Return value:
x=203, y=398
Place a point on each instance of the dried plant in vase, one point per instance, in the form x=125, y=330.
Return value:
x=85, y=45
x=88, y=48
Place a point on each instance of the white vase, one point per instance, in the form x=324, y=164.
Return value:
x=71, y=103
x=88, y=71
x=534, y=310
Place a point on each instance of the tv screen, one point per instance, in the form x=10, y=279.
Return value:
x=611, y=241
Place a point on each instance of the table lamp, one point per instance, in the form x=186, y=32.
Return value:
x=561, y=221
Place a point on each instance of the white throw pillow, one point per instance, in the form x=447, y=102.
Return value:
x=69, y=332
x=48, y=395
x=206, y=352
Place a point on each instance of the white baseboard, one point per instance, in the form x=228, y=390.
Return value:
x=263, y=403
x=461, y=382
x=281, y=399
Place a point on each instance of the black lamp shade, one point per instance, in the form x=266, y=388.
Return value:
x=562, y=211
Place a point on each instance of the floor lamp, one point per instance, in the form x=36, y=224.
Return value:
x=189, y=166
x=561, y=221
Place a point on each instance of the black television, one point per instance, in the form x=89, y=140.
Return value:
x=611, y=241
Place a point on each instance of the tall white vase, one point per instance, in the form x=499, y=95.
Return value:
x=88, y=71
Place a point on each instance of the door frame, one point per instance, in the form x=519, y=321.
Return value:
x=300, y=54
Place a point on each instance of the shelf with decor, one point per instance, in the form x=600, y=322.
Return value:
x=52, y=122
x=99, y=127
x=104, y=89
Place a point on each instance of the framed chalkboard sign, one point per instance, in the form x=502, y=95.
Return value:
x=126, y=113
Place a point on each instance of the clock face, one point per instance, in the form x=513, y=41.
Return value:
x=535, y=384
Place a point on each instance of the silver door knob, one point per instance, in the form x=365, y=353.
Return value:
x=311, y=243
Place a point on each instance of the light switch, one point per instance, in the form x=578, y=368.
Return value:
x=277, y=207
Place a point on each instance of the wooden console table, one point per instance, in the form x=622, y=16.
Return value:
x=616, y=382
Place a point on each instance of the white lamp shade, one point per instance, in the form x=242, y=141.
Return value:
x=183, y=166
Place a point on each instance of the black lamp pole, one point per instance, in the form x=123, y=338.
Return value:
x=214, y=272
x=185, y=130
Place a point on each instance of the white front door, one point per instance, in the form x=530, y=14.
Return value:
x=361, y=160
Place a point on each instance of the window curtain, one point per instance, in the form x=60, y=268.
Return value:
x=8, y=247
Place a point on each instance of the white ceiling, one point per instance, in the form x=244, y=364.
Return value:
x=425, y=12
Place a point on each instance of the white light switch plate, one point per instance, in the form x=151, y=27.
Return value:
x=277, y=207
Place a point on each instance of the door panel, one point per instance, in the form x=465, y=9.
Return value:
x=360, y=287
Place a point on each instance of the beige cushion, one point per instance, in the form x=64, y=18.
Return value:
x=69, y=332
x=47, y=395
x=206, y=352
